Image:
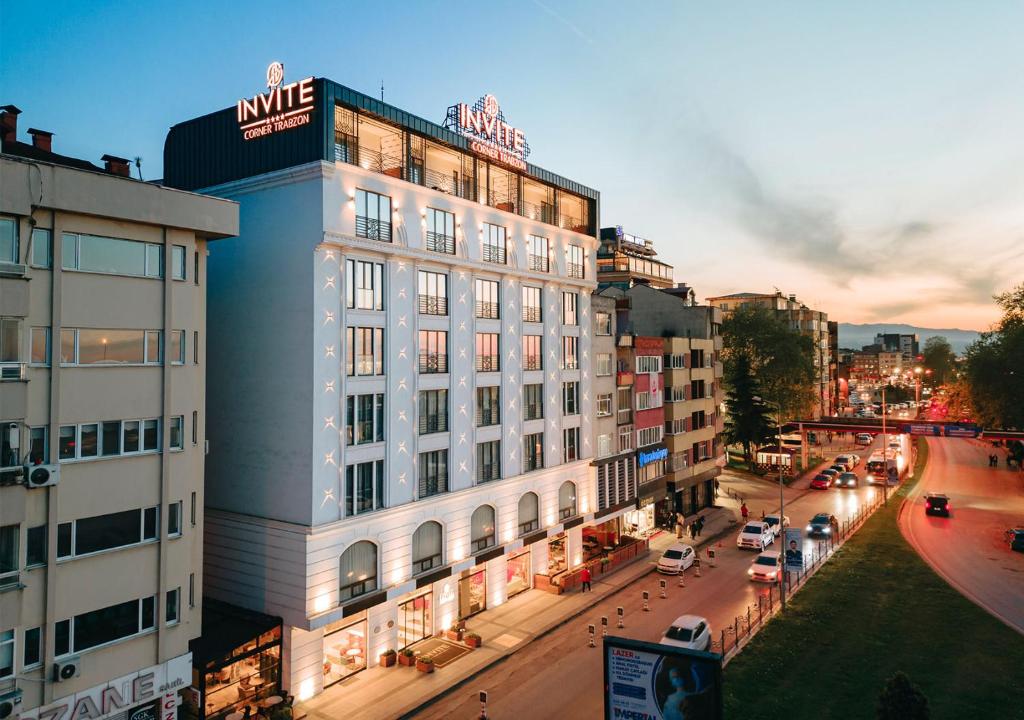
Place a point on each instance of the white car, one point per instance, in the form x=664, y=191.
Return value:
x=849, y=460
x=767, y=567
x=773, y=523
x=689, y=631
x=864, y=438
x=756, y=534
x=676, y=559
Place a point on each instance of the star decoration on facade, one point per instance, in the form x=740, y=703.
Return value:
x=401, y=266
x=328, y=495
x=329, y=255
x=462, y=467
x=402, y=353
x=512, y=432
x=512, y=404
x=462, y=381
x=462, y=298
x=462, y=352
x=584, y=309
x=328, y=317
x=552, y=376
x=553, y=308
x=512, y=454
x=584, y=374
x=586, y=397
x=512, y=378
x=401, y=293
x=402, y=384
x=329, y=282
x=401, y=478
x=586, y=442
x=462, y=325
x=553, y=424
x=401, y=321
x=584, y=354
x=511, y=329
x=329, y=459
x=329, y=422
x=328, y=351
x=462, y=438
x=329, y=386
x=402, y=416
x=552, y=333
x=462, y=409
x=401, y=448
x=512, y=354
x=462, y=274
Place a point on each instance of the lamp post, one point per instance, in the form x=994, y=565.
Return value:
x=885, y=455
x=782, y=499
x=917, y=385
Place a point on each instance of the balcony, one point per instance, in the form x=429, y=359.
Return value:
x=575, y=270
x=573, y=223
x=532, y=362
x=532, y=313
x=430, y=363
x=487, y=363
x=494, y=254
x=373, y=229
x=487, y=310
x=624, y=379
x=432, y=305
x=544, y=212
x=488, y=473
x=438, y=242
x=449, y=184
x=539, y=263
x=433, y=424
x=486, y=417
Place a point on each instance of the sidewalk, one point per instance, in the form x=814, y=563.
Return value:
x=396, y=692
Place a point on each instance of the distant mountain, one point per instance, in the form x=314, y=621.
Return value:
x=856, y=336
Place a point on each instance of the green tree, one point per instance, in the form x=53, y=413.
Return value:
x=994, y=366
x=779, y=357
x=940, y=359
x=749, y=421
x=901, y=700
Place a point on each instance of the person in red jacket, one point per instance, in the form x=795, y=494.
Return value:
x=585, y=578
x=744, y=512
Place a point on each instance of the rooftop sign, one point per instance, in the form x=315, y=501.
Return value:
x=282, y=107
x=489, y=134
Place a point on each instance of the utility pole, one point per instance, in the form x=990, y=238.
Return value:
x=782, y=503
x=885, y=455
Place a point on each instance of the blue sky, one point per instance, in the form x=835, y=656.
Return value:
x=865, y=156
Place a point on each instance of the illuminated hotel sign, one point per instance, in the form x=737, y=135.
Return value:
x=282, y=107
x=484, y=125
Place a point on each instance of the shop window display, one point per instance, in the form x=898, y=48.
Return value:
x=415, y=621
x=556, y=555
x=472, y=593
x=344, y=651
x=518, y=573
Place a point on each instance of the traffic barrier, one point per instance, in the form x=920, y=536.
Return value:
x=483, y=705
x=592, y=631
x=604, y=626
x=646, y=598
x=662, y=583
x=696, y=567
x=621, y=613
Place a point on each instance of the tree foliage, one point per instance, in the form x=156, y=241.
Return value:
x=994, y=366
x=940, y=359
x=902, y=700
x=749, y=421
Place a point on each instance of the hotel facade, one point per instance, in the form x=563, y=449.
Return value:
x=401, y=356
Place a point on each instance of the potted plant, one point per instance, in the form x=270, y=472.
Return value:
x=455, y=633
x=407, y=658
x=388, y=657
x=473, y=640
x=425, y=665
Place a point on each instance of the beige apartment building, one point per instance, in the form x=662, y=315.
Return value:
x=102, y=386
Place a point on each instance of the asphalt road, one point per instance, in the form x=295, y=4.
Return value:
x=559, y=676
x=969, y=549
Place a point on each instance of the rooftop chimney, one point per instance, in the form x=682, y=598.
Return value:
x=116, y=165
x=792, y=298
x=9, y=123
x=41, y=139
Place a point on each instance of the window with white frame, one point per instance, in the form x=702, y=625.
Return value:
x=675, y=393
x=42, y=248
x=32, y=654
x=626, y=437
x=364, y=419
x=7, y=654
x=9, y=240
x=532, y=304
x=570, y=360
x=91, y=346
x=364, y=351
x=539, y=249
x=649, y=436
x=10, y=563
x=676, y=426
x=113, y=531
x=643, y=400
x=570, y=301
x=602, y=323
x=373, y=215
x=39, y=346
x=440, y=231
x=494, y=243
x=603, y=364
x=114, y=256
x=604, y=445
x=364, y=487
x=177, y=433
x=575, y=259
x=103, y=626
x=178, y=263
x=364, y=285
x=110, y=438
x=604, y=405
x=488, y=303
x=571, y=398
x=432, y=292
x=172, y=599
x=648, y=363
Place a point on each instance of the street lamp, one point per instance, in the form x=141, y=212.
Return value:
x=917, y=385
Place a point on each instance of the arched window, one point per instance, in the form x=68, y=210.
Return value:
x=529, y=513
x=358, y=570
x=427, y=542
x=482, y=528
x=567, y=500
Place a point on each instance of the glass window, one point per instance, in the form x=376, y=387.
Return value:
x=8, y=240
x=427, y=546
x=357, y=570
x=567, y=500
x=88, y=440
x=9, y=537
x=178, y=266
x=440, y=231
x=171, y=606
x=488, y=406
x=494, y=244
x=10, y=340
x=373, y=216
x=67, y=346
x=177, y=432
x=570, y=398
x=533, y=356
x=364, y=487
x=67, y=444
x=602, y=323
x=569, y=304
x=6, y=654
x=110, y=347
x=69, y=251
x=364, y=285
x=604, y=364
x=432, y=293
x=532, y=304
x=93, y=253
x=111, y=439
x=174, y=519
x=533, y=402
x=433, y=473
x=571, y=444
x=39, y=445
x=42, y=248
x=604, y=405
x=433, y=351
x=487, y=300
x=364, y=351
x=533, y=452
x=33, y=653
x=106, y=625
x=570, y=360
x=529, y=513
x=40, y=346
x=482, y=534
x=153, y=354
x=433, y=414
x=364, y=419
x=106, y=532
x=177, y=347
x=132, y=436
x=487, y=352
x=574, y=261
x=538, y=251
x=488, y=461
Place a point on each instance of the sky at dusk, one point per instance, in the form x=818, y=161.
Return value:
x=866, y=156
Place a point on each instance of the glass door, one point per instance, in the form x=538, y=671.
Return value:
x=415, y=621
x=472, y=593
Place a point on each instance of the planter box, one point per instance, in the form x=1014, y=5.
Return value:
x=455, y=635
x=424, y=666
x=407, y=660
x=388, y=659
x=474, y=642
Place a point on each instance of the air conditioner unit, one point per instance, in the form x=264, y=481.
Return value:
x=9, y=702
x=41, y=475
x=67, y=669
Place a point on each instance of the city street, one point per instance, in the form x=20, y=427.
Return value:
x=969, y=549
x=559, y=672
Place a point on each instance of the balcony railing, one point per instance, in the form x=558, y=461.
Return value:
x=539, y=263
x=12, y=371
x=433, y=305
x=433, y=363
x=532, y=362
x=438, y=242
x=573, y=223
x=392, y=165
x=533, y=412
x=450, y=184
x=570, y=363
x=575, y=270
x=486, y=417
x=433, y=423
x=545, y=212
x=487, y=363
x=532, y=313
x=489, y=473
x=494, y=254
x=373, y=229
x=487, y=310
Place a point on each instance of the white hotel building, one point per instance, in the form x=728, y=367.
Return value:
x=400, y=356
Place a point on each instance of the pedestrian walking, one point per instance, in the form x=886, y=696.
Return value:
x=717, y=485
x=700, y=525
x=744, y=512
x=693, y=531
x=585, y=579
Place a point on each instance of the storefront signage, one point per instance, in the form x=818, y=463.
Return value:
x=282, y=107
x=121, y=694
x=489, y=135
x=447, y=594
x=646, y=458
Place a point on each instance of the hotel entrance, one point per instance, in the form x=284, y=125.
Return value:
x=472, y=592
x=415, y=619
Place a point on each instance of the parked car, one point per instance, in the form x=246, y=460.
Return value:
x=755, y=534
x=766, y=567
x=773, y=523
x=936, y=504
x=1016, y=538
x=689, y=631
x=823, y=524
x=847, y=479
x=676, y=559
x=821, y=481
x=863, y=438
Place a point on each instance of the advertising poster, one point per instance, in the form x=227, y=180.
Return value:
x=651, y=681
x=794, y=545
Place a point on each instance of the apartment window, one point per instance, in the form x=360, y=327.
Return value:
x=191, y=590
x=40, y=342
x=364, y=285
x=533, y=452
x=574, y=259
x=364, y=351
x=195, y=427
x=567, y=500
x=110, y=438
x=602, y=323
x=696, y=358
x=433, y=473
x=440, y=231
x=38, y=445
x=10, y=340
x=106, y=625
x=698, y=420
x=177, y=347
x=643, y=401
x=113, y=531
x=192, y=510
x=433, y=351
x=433, y=293
x=570, y=361
x=488, y=406
x=570, y=398
x=539, y=250
x=487, y=300
x=649, y=436
x=533, y=355
x=533, y=402
x=9, y=537
x=675, y=393
x=697, y=390
x=494, y=243
x=42, y=248
x=364, y=419
x=195, y=267
x=177, y=441
x=532, y=304
x=676, y=362
x=88, y=346
x=373, y=216
x=174, y=519
x=482, y=531
x=487, y=352
x=433, y=411
x=648, y=363
x=92, y=253
x=154, y=347
x=570, y=301
x=604, y=445
x=488, y=461
x=33, y=652
x=178, y=262
x=676, y=426
x=7, y=654
x=626, y=438
x=35, y=546
x=8, y=240
x=364, y=487
x=171, y=606
x=604, y=405
x=195, y=347
x=570, y=444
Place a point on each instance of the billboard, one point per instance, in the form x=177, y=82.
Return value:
x=794, y=549
x=651, y=681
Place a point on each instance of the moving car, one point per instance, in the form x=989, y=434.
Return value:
x=849, y=462
x=863, y=438
x=766, y=567
x=1016, y=538
x=822, y=524
x=773, y=523
x=821, y=481
x=840, y=469
x=936, y=504
x=847, y=479
x=755, y=534
x=831, y=471
x=689, y=631
x=676, y=559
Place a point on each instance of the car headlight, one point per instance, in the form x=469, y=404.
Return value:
x=771, y=574
x=810, y=528
x=750, y=571
x=827, y=531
